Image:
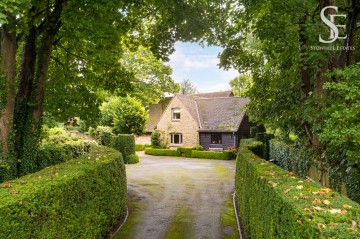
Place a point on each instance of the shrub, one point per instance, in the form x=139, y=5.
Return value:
x=155, y=140
x=289, y=157
x=224, y=155
x=133, y=159
x=102, y=134
x=253, y=131
x=185, y=151
x=275, y=204
x=162, y=152
x=141, y=147
x=125, y=143
x=257, y=148
x=80, y=198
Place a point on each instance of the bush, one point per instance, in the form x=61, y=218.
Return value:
x=275, y=204
x=141, y=147
x=186, y=151
x=257, y=148
x=125, y=143
x=82, y=198
x=102, y=134
x=133, y=159
x=162, y=152
x=155, y=140
x=224, y=155
x=253, y=131
x=289, y=157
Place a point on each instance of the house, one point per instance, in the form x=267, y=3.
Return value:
x=214, y=120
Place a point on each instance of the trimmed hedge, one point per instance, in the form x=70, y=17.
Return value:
x=81, y=198
x=125, y=143
x=133, y=159
x=141, y=147
x=162, y=152
x=257, y=148
x=224, y=155
x=289, y=157
x=275, y=204
x=186, y=151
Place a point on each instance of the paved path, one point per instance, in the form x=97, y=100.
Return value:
x=170, y=198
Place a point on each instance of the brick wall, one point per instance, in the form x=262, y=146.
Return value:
x=187, y=125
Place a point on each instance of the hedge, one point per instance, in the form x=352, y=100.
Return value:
x=141, y=147
x=273, y=203
x=161, y=152
x=186, y=151
x=224, y=155
x=133, y=159
x=295, y=159
x=257, y=148
x=125, y=143
x=81, y=198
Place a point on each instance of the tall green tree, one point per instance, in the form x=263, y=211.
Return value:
x=241, y=84
x=75, y=45
x=294, y=80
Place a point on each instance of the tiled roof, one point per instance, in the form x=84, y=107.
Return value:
x=221, y=114
x=213, y=94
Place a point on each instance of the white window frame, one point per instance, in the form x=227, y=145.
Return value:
x=177, y=112
x=172, y=138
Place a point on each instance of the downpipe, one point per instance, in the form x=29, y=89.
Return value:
x=236, y=215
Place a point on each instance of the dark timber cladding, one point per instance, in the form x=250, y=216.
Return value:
x=227, y=140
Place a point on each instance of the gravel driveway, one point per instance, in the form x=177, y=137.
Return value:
x=171, y=197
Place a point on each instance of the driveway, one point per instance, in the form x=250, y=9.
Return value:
x=172, y=198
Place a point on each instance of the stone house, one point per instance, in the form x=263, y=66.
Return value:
x=212, y=120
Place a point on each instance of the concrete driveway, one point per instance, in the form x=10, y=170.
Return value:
x=172, y=198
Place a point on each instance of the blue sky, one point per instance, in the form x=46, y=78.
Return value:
x=199, y=65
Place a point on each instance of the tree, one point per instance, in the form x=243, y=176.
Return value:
x=241, y=84
x=289, y=73
x=62, y=43
x=187, y=87
x=126, y=115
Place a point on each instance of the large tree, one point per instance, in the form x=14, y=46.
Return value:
x=75, y=45
x=278, y=42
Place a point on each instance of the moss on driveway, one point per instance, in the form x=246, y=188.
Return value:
x=174, y=198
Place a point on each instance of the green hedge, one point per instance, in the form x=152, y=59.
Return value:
x=141, y=147
x=257, y=148
x=125, y=143
x=161, y=152
x=81, y=198
x=186, y=151
x=289, y=157
x=275, y=204
x=133, y=159
x=224, y=155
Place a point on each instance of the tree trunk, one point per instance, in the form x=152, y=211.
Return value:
x=7, y=68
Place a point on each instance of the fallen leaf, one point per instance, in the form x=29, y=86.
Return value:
x=316, y=201
x=6, y=185
x=326, y=202
x=346, y=206
x=318, y=208
x=291, y=174
x=327, y=190
x=299, y=222
x=300, y=187
x=353, y=224
x=22, y=182
x=335, y=211
x=305, y=197
x=14, y=192
x=343, y=211
x=300, y=181
x=308, y=210
x=286, y=191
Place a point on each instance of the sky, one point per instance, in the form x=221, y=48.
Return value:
x=199, y=65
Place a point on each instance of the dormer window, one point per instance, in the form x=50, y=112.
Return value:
x=176, y=114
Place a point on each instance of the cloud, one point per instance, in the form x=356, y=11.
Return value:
x=200, y=66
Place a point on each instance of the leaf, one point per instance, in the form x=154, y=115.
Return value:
x=326, y=190
x=14, y=192
x=335, y=211
x=300, y=187
x=318, y=208
x=326, y=202
x=346, y=206
x=299, y=222
x=353, y=224
x=6, y=185
x=287, y=190
x=316, y=201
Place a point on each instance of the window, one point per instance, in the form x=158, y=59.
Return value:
x=216, y=138
x=176, y=114
x=176, y=138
